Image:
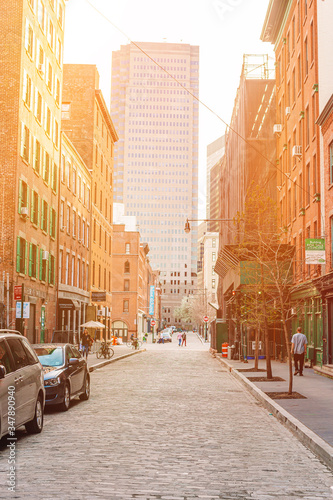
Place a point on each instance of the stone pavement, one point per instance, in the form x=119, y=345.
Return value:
x=168, y=424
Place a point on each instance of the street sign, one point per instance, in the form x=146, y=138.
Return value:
x=17, y=292
x=205, y=318
x=153, y=322
x=26, y=310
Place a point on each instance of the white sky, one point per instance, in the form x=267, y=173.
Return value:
x=224, y=30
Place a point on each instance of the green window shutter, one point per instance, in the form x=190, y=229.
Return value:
x=54, y=223
x=40, y=264
x=30, y=259
x=50, y=270
x=20, y=196
x=18, y=254
x=47, y=217
x=38, y=210
x=25, y=257
x=32, y=207
x=51, y=221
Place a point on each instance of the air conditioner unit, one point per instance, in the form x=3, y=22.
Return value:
x=45, y=255
x=287, y=110
x=24, y=211
x=297, y=151
x=277, y=129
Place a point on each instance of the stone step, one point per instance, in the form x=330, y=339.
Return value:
x=326, y=370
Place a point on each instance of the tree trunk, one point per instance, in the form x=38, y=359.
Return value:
x=286, y=337
x=268, y=356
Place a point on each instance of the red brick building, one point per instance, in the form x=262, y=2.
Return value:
x=87, y=123
x=131, y=286
x=31, y=45
x=74, y=240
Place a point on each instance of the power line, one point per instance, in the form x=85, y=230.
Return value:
x=194, y=96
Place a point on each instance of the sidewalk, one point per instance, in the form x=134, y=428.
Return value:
x=120, y=352
x=311, y=418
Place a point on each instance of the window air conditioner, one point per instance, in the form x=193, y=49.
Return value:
x=287, y=110
x=297, y=151
x=24, y=211
x=45, y=255
x=277, y=129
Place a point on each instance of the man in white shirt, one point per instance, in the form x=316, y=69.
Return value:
x=298, y=348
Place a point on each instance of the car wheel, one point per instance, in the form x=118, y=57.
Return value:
x=64, y=406
x=85, y=395
x=35, y=425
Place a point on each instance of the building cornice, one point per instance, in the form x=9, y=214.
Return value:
x=325, y=112
x=106, y=114
x=274, y=19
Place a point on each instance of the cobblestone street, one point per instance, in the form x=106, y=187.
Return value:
x=169, y=423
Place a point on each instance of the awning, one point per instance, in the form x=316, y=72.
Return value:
x=69, y=304
x=226, y=260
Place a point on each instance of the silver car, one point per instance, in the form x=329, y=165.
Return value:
x=22, y=393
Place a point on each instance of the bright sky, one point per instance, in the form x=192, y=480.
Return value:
x=224, y=30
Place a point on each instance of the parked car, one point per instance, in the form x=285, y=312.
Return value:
x=66, y=374
x=22, y=394
x=166, y=336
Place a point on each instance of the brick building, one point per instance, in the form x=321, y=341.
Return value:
x=293, y=28
x=31, y=45
x=87, y=123
x=132, y=308
x=74, y=239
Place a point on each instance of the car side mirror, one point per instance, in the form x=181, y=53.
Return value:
x=74, y=362
x=2, y=371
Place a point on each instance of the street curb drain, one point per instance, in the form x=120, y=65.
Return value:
x=305, y=435
x=108, y=361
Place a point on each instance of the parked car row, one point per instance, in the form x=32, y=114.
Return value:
x=32, y=376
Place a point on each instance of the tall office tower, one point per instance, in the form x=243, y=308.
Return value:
x=156, y=158
x=31, y=42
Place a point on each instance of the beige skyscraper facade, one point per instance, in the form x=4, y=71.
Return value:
x=156, y=157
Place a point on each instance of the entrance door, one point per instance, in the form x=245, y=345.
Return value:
x=31, y=333
x=330, y=331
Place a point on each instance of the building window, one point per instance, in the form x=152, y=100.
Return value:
x=331, y=225
x=44, y=216
x=331, y=162
x=23, y=196
x=213, y=283
x=93, y=274
x=126, y=306
x=29, y=40
x=67, y=269
x=127, y=267
x=308, y=185
x=34, y=208
x=74, y=224
x=25, y=143
x=306, y=58
x=33, y=260
x=73, y=271
x=21, y=255
x=52, y=269
x=214, y=257
x=127, y=248
x=38, y=157
x=53, y=223
x=27, y=90
x=214, y=243
x=65, y=111
x=68, y=219
x=54, y=178
x=60, y=266
x=307, y=125
x=42, y=266
x=126, y=285
x=46, y=167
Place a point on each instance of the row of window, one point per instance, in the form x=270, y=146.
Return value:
x=74, y=181
x=75, y=225
x=41, y=214
x=34, y=261
x=31, y=149
x=73, y=270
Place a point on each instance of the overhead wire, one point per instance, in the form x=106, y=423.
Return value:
x=287, y=175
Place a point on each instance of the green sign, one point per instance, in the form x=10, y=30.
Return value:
x=315, y=251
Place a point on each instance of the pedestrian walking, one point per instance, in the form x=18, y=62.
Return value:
x=184, y=339
x=179, y=337
x=85, y=342
x=298, y=349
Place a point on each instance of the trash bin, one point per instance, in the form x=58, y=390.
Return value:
x=225, y=346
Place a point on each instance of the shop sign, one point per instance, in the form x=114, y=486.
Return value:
x=315, y=251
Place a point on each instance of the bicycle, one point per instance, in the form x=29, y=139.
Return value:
x=134, y=344
x=105, y=350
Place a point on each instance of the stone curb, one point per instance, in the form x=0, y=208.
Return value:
x=305, y=435
x=112, y=360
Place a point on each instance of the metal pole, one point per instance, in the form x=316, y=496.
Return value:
x=7, y=296
x=22, y=302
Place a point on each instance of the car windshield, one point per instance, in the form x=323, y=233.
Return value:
x=50, y=356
